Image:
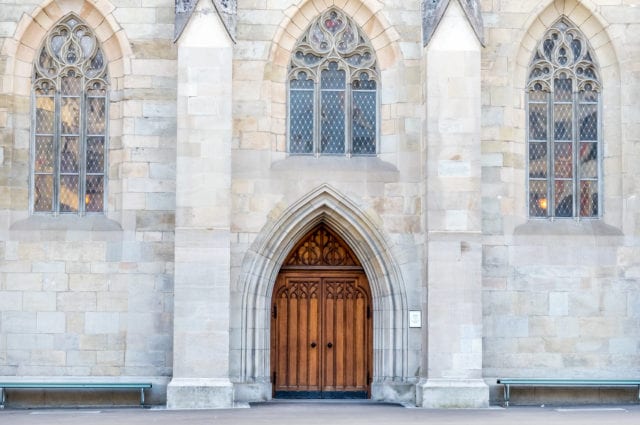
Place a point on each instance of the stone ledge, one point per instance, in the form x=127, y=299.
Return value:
x=452, y=393
x=335, y=164
x=567, y=227
x=98, y=223
x=197, y=393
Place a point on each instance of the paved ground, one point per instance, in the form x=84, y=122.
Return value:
x=331, y=413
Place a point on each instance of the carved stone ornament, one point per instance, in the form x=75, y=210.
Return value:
x=227, y=10
x=433, y=11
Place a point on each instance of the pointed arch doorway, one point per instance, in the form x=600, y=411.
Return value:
x=321, y=321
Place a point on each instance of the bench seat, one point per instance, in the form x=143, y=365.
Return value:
x=564, y=383
x=73, y=385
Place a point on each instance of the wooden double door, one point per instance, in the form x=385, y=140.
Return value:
x=321, y=335
x=321, y=322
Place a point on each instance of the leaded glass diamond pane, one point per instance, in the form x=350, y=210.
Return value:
x=45, y=109
x=538, y=160
x=563, y=190
x=588, y=198
x=588, y=95
x=588, y=160
x=93, y=197
x=537, y=121
x=71, y=85
x=332, y=128
x=69, y=155
x=95, y=155
x=563, y=160
x=538, y=201
x=538, y=96
x=43, y=192
x=562, y=120
x=301, y=122
x=44, y=154
x=588, y=121
x=562, y=90
x=364, y=122
x=333, y=78
x=70, y=115
x=69, y=193
x=95, y=115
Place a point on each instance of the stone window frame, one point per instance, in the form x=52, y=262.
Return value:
x=315, y=51
x=583, y=73
x=85, y=58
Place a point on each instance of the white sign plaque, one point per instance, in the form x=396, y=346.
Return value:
x=415, y=319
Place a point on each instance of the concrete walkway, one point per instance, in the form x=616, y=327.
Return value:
x=330, y=413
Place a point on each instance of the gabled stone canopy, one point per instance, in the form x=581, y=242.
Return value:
x=433, y=11
x=227, y=10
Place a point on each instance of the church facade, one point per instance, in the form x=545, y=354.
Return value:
x=386, y=199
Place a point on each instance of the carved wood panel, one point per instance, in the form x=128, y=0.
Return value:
x=321, y=340
x=321, y=248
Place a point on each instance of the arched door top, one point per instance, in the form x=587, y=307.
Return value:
x=321, y=248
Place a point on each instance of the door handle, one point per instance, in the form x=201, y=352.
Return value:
x=330, y=345
x=313, y=345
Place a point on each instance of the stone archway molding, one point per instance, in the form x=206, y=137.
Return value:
x=260, y=269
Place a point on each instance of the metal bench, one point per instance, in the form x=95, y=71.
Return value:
x=564, y=383
x=74, y=385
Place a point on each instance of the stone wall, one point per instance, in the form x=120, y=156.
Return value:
x=94, y=296
x=560, y=298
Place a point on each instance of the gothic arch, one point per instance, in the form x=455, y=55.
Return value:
x=595, y=30
x=33, y=27
x=262, y=264
x=366, y=13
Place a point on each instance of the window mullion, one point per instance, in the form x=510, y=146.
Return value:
x=82, y=157
x=348, y=117
x=575, y=150
x=551, y=196
x=57, y=146
x=317, y=121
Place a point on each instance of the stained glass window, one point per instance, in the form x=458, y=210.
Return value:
x=70, y=121
x=563, y=122
x=333, y=90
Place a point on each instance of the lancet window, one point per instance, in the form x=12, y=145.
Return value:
x=333, y=90
x=69, y=113
x=564, y=126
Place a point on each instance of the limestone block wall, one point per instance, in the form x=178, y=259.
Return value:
x=92, y=296
x=560, y=298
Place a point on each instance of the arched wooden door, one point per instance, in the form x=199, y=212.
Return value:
x=321, y=324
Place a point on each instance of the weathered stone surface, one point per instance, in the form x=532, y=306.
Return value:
x=175, y=276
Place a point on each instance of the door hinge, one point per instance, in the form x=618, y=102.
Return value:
x=273, y=381
x=274, y=312
x=368, y=378
x=368, y=312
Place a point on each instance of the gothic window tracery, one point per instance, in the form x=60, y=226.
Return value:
x=333, y=90
x=69, y=113
x=563, y=126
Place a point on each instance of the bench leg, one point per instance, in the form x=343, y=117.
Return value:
x=506, y=395
x=141, y=397
x=1, y=398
